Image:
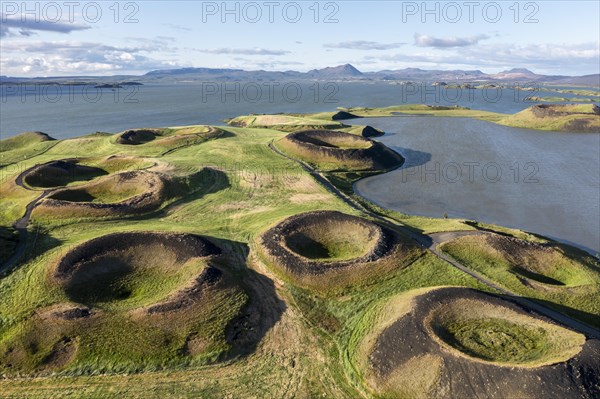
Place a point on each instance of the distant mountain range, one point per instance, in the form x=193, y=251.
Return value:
x=345, y=72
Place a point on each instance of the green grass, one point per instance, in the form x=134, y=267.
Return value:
x=568, y=279
x=555, y=99
x=23, y=146
x=338, y=249
x=118, y=164
x=501, y=335
x=579, y=92
x=135, y=277
x=118, y=343
x=286, y=123
x=106, y=191
x=260, y=186
x=567, y=120
x=524, y=119
x=498, y=340
x=310, y=351
x=419, y=109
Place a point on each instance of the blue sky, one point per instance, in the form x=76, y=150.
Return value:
x=51, y=39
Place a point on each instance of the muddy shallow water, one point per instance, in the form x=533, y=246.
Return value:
x=544, y=182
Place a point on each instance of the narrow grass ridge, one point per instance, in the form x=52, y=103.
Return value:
x=331, y=150
x=169, y=138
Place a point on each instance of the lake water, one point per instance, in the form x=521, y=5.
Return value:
x=68, y=111
x=544, y=182
x=549, y=182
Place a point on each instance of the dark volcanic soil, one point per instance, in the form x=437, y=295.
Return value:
x=461, y=377
x=275, y=241
x=384, y=250
x=343, y=115
x=138, y=136
x=369, y=131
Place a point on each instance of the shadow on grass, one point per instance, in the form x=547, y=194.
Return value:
x=478, y=226
x=264, y=308
x=590, y=319
x=8, y=243
x=207, y=181
x=38, y=242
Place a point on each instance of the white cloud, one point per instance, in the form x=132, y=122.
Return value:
x=363, y=45
x=563, y=59
x=429, y=41
x=27, y=27
x=177, y=27
x=60, y=58
x=244, y=51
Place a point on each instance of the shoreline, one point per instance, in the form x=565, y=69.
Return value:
x=364, y=196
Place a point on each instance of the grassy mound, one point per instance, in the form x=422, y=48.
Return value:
x=501, y=335
x=567, y=118
x=67, y=172
x=334, y=239
x=558, y=274
x=284, y=123
x=24, y=146
x=113, y=189
x=328, y=248
x=60, y=173
x=131, y=269
x=169, y=138
x=329, y=149
x=24, y=140
x=458, y=342
x=119, y=194
x=139, y=299
x=126, y=193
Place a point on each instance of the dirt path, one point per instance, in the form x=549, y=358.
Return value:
x=440, y=238
x=430, y=243
x=21, y=224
